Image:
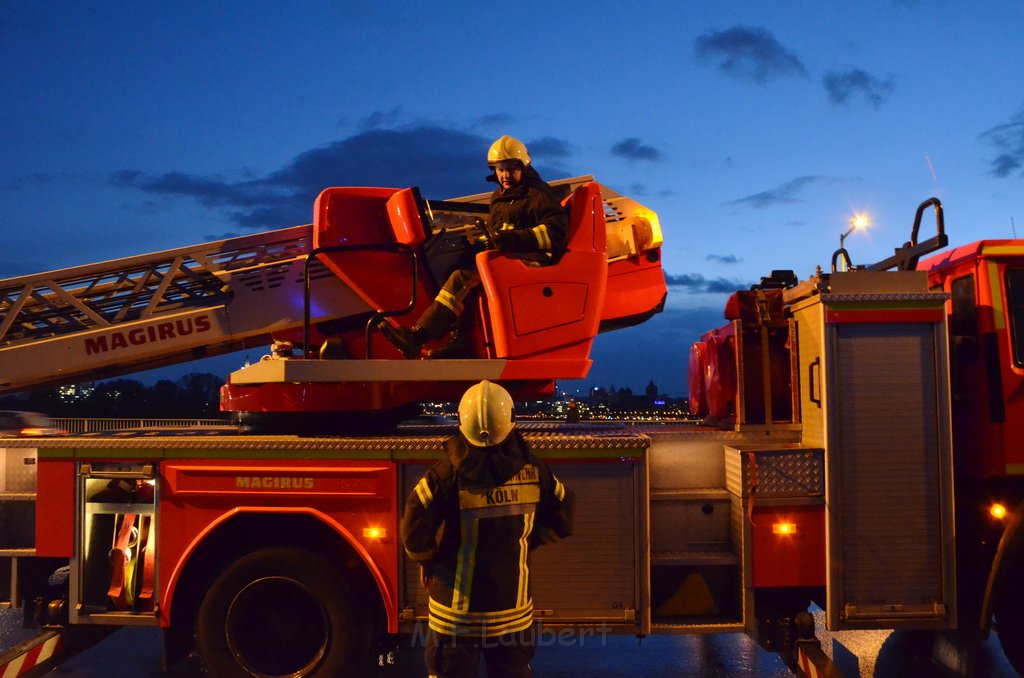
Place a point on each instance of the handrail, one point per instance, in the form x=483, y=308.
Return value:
x=905, y=258
x=379, y=314
x=845, y=255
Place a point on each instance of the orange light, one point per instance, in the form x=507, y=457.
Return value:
x=784, y=528
x=997, y=511
x=374, y=532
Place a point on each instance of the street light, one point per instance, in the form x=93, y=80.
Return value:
x=858, y=221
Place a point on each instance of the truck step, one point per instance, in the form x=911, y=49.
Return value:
x=44, y=650
x=697, y=625
x=693, y=558
x=690, y=494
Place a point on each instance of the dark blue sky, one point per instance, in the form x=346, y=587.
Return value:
x=755, y=129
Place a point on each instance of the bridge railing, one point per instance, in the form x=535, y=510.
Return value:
x=92, y=425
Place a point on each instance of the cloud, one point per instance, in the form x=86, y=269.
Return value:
x=724, y=258
x=748, y=53
x=379, y=119
x=443, y=162
x=633, y=149
x=494, y=120
x=841, y=86
x=695, y=283
x=549, y=147
x=1008, y=140
x=785, y=193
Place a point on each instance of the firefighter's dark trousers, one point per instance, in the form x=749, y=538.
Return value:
x=456, y=288
x=506, y=656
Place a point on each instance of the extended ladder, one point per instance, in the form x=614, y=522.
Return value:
x=113, y=317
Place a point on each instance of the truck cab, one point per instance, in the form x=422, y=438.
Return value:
x=985, y=284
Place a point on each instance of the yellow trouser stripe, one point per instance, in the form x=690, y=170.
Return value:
x=445, y=613
x=486, y=624
x=424, y=493
x=470, y=529
x=543, y=237
x=524, y=566
x=446, y=298
x=483, y=629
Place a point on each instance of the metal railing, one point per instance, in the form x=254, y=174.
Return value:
x=93, y=425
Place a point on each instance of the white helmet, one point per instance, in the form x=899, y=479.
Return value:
x=486, y=414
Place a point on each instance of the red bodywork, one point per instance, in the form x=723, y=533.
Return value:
x=55, y=485
x=198, y=496
x=793, y=557
x=986, y=370
x=741, y=372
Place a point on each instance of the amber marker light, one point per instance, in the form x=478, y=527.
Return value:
x=997, y=511
x=374, y=532
x=784, y=528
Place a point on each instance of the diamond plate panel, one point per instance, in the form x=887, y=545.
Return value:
x=19, y=471
x=789, y=472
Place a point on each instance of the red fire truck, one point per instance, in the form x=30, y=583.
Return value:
x=843, y=461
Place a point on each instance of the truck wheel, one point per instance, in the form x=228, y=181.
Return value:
x=1008, y=593
x=1010, y=628
x=279, y=612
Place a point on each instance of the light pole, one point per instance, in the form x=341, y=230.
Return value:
x=857, y=222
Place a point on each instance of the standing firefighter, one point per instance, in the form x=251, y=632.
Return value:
x=470, y=523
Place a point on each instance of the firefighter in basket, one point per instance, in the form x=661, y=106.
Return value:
x=470, y=523
x=526, y=219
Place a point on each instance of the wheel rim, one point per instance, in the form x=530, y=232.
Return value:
x=276, y=627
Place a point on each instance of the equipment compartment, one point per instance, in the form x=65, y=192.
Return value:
x=117, y=518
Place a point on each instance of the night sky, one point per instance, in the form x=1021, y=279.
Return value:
x=755, y=129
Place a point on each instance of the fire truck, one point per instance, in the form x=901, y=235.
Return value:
x=855, y=449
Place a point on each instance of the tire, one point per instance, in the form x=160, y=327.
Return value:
x=279, y=612
x=1008, y=592
x=1010, y=628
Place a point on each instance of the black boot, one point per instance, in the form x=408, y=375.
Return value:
x=433, y=324
x=405, y=340
x=458, y=346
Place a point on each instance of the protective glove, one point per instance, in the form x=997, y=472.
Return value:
x=480, y=242
x=508, y=241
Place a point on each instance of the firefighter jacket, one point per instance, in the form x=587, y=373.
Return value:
x=529, y=219
x=471, y=521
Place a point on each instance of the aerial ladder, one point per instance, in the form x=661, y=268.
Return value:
x=319, y=291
